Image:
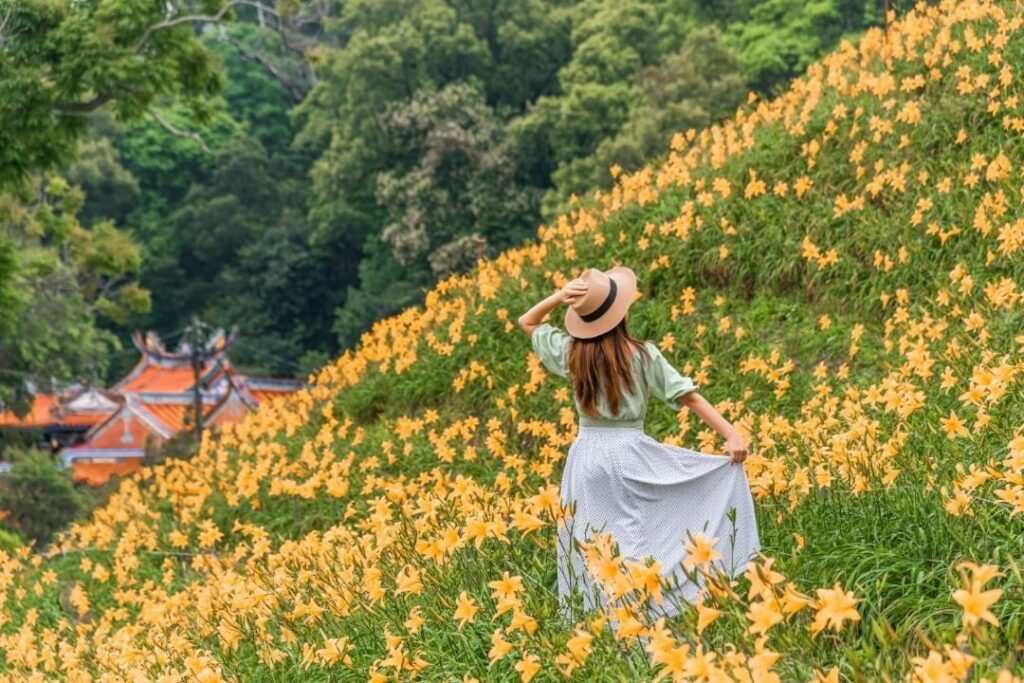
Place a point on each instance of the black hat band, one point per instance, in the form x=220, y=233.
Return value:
x=605, y=305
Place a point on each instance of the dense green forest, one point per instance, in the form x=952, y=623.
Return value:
x=304, y=169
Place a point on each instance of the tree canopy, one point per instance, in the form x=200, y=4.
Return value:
x=303, y=169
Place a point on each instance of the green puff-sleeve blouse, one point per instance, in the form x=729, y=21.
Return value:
x=654, y=376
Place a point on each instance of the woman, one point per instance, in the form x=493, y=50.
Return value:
x=652, y=497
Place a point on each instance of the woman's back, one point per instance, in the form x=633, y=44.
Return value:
x=653, y=375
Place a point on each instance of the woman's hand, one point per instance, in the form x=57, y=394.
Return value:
x=572, y=291
x=566, y=295
x=737, y=448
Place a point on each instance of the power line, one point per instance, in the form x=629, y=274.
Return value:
x=267, y=354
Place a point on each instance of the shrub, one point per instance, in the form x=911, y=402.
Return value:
x=38, y=496
x=9, y=542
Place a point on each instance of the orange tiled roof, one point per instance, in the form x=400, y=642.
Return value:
x=172, y=415
x=39, y=415
x=85, y=419
x=262, y=395
x=46, y=411
x=155, y=378
x=265, y=388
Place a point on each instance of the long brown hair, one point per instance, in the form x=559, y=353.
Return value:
x=603, y=363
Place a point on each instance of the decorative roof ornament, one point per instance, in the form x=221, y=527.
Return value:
x=217, y=344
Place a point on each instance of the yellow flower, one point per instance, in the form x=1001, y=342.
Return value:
x=210, y=534
x=629, y=627
x=756, y=187
x=499, y=646
x=80, y=600
x=335, y=649
x=802, y=184
x=506, y=585
x=833, y=608
x=506, y=603
x=705, y=616
x=208, y=675
x=646, y=578
x=579, y=645
x=527, y=667
x=831, y=677
x=954, y=426
x=973, y=599
x=793, y=600
x=522, y=620
x=762, y=578
x=408, y=581
x=466, y=609
x=700, y=551
x=415, y=620
x=763, y=614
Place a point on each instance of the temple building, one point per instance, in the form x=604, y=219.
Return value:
x=101, y=432
x=61, y=420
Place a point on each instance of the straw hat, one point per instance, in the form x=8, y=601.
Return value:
x=604, y=305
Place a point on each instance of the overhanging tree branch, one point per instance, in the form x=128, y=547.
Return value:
x=296, y=90
x=201, y=19
x=177, y=132
x=81, y=108
x=5, y=20
x=291, y=81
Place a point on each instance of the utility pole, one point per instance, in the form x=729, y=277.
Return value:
x=196, y=334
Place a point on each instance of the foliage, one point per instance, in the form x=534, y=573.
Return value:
x=123, y=54
x=9, y=542
x=65, y=274
x=781, y=38
x=38, y=496
x=224, y=231
x=457, y=182
x=537, y=98
x=57, y=278
x=688, y=88
x=180, y=446
x=568, y=90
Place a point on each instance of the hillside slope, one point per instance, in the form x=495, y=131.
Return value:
x=839, y=269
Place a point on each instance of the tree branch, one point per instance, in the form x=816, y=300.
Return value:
x=81, y=108
x=109, y=285
x=296, y=90
x=6, y=19
x=87, y=107
x=201, y=19
x=177, y=132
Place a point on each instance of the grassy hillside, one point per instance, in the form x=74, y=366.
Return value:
x=840, y=270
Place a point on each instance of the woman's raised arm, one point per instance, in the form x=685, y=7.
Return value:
x=567, y=294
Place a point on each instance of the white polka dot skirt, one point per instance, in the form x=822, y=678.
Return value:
x=648, y=495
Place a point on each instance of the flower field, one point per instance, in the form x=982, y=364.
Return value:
x=841, y=271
